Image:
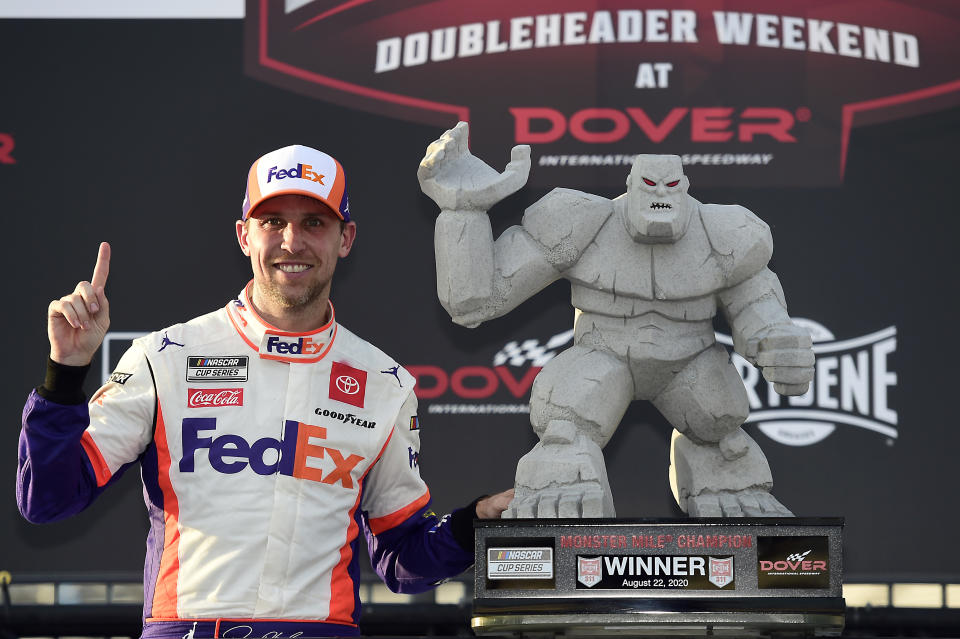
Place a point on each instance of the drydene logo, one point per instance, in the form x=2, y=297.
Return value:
x=294, y=455
x=520, y=563
x=202, y=397
x=205, y=368
x=302, y=171
x=347, y=384
x=852, y=386
x=655, y=572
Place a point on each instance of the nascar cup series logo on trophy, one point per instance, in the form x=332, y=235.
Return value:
x=786, y=84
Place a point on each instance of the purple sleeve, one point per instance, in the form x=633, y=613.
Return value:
x=54, y=475
x=424, y=550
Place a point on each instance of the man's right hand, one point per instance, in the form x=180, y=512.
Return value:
x=77, y=323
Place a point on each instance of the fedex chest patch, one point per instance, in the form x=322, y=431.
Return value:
x=217, y=368
x=347, y=384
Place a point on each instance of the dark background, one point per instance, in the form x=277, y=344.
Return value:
x=141, y=133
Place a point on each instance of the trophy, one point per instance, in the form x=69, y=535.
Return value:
x=648, y=270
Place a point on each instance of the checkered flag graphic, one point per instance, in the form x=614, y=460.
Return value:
x=530, y=351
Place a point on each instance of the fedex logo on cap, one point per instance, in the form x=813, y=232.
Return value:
x=317, y=174
x=302, y=171
x=295, y=455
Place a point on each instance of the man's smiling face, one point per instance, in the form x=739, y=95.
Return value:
x=293, y=242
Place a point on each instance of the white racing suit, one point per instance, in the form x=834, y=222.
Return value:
x=263, y=455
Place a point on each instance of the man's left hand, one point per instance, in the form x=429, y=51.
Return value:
x=491, y=507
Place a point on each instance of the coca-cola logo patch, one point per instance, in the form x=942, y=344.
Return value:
x=203, y=397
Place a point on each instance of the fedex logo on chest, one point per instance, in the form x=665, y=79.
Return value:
x=294, y=455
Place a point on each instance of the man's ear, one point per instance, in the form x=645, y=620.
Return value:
x=242, y=237
x=347, y=236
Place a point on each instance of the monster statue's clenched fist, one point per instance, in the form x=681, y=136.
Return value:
x=648, y=272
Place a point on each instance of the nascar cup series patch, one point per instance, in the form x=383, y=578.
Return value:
x=217, y=368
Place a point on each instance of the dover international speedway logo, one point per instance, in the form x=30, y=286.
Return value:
x=853, y=386
x=747, y=92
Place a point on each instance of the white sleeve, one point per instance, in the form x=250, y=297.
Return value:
x=122, y=415
x=394, y=489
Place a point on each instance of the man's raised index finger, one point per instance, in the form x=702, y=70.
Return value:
x=102, y=269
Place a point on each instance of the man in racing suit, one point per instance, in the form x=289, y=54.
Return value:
x=268, y=435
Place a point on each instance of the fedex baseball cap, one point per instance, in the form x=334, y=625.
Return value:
x=299, y=170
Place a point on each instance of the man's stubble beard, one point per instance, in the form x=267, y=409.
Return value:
x=301, y=302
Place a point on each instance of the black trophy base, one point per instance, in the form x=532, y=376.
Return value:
x=666, y=578
x=822, y=617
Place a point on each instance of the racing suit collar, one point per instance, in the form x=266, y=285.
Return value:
x=271, y=342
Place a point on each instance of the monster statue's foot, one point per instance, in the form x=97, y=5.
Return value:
x=563, y=476
x=575, y=500
x=740, y=503
x=730, y=478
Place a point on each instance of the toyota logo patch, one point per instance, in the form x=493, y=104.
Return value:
x=347, y=384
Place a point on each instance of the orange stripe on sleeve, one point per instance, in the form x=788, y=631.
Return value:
x=387, y=522
x=165, y=593
x=100, y=468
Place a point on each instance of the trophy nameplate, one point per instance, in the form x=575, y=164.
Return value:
x=676, y=577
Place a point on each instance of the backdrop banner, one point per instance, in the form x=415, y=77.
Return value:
x=835, y=124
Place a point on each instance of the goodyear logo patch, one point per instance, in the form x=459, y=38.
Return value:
x=217, y=368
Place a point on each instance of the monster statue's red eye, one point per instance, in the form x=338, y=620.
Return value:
x=674, y=183
x=649, y=182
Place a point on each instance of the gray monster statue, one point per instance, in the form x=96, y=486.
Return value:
x=648, y=271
